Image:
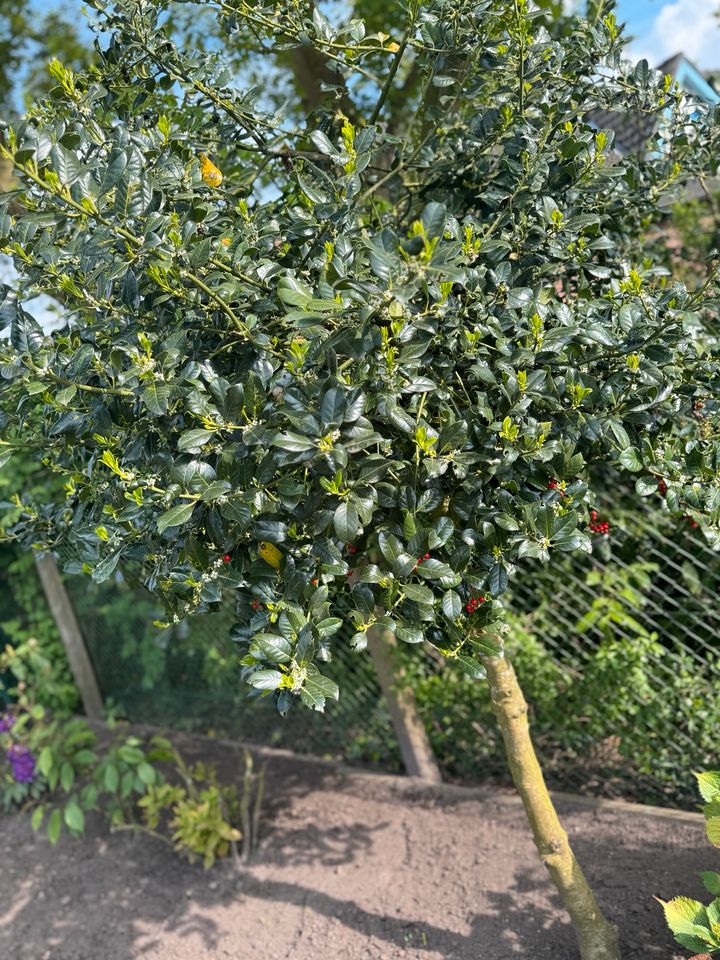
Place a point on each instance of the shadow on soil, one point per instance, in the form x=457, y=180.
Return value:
x=142, y=893
x=116, y=896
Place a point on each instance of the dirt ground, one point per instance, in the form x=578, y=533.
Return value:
x=350, y=866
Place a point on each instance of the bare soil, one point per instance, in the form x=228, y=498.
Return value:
x=352, y=866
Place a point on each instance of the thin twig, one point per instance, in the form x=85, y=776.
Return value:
x=392, y=71
x=245, y=822
x=259, y=796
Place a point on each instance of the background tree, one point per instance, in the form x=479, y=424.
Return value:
x=29, y=37
x=366, y=365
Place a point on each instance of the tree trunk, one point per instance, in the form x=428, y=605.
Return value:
x=72, y=638
x=597, y=937
x=418, y=758
x=312, y=70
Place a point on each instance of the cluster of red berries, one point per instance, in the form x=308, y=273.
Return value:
x=552, y=484
x=473, y=603
x=425, y=556
x=598, y=526
x=662, y=487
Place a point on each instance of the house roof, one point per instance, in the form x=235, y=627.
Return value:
x=690, y=78
x=632, y=129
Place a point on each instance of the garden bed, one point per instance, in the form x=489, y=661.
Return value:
x=350, y=865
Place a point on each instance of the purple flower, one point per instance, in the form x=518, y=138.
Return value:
x=6, y=722
x=22, y=762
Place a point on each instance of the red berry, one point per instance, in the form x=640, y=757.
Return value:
x=472, y=604
x=351, y=548
x=598, y=526
x=314, y=581
x=227, y=558
x=426, y=557
x=420, y=560
x=552, y=483
x=255, y=604
x=662, y=487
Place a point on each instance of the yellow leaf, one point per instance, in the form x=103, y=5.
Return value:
x=270, y=554
x=209, y=172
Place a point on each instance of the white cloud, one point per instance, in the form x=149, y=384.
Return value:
x=685, y=26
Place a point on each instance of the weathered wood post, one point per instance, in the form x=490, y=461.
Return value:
x=70, y=634
x=415, y=749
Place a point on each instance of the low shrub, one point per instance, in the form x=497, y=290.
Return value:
x=694, y=925
x=34, y=654
x=624, y=711
x=57, y=766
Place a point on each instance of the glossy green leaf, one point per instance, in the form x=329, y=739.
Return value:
x=176, y=516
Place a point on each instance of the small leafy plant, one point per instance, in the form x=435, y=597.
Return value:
x=61, y=769
x=204, y=818
x=693, y=924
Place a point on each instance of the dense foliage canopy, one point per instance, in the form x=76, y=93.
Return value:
x=362, y=363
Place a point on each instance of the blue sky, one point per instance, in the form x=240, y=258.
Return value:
x=639, y=14
x=662, y=29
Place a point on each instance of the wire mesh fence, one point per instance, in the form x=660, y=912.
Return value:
x=188, y=677
x=617, y=653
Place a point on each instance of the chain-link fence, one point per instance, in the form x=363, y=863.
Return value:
x=617, y=653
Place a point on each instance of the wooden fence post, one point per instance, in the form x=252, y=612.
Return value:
x=415, y=749
x=69, y=629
